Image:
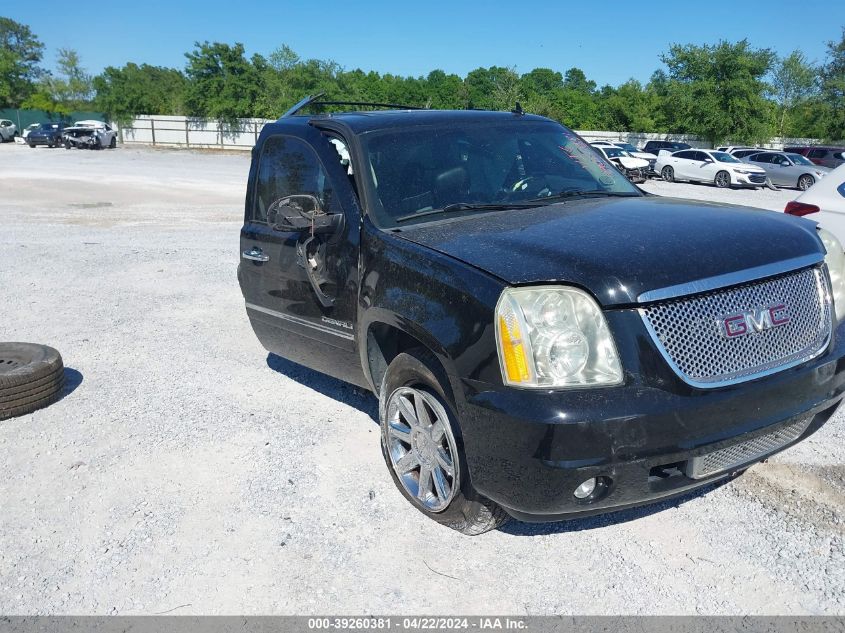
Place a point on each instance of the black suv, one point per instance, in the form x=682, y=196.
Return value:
x=545, y=339
x=654, y=147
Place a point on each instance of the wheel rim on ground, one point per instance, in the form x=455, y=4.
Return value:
x=805, y=182
x=421, y=448
x=722, y=179
x=667, y=174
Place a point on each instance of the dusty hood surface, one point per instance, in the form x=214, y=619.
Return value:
x=619, y=248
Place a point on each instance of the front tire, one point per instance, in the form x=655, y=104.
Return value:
x=668, y=174
x=805, y=182
x=723, y=180
x=423, y=447
x=113, y=142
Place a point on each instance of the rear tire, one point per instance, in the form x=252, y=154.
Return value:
x=31, y=377
x=421, y=443
x=723, y=180
x=668, y=174
x=805, y=182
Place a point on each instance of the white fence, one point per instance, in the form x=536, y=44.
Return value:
x=187, y=132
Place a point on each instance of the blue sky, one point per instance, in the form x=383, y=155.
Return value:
x=610, y=41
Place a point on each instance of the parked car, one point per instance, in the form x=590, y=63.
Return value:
x=824, y=156
x=89, y=135
x=746, y=151
x=700, y=165
x=545, y=339
x=826, y=201
x=733, y=149
x=786, y=169
x=29, y=128
x=655, y=147
x=7, y=130
x=632, y=151
x=635, y=169
x=49, y=134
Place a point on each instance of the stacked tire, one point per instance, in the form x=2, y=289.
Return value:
x=31, y=377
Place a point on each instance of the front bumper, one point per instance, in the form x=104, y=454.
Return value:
x=529, y=450
x=42, y=140
x=750, y=180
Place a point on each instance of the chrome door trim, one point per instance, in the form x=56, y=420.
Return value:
x=300, y=321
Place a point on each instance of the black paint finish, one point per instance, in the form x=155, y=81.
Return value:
x=437, y=286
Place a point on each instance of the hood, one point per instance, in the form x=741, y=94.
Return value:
x=632, y=163
x=619, y=248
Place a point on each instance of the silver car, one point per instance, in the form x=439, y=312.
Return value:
x=786, y=169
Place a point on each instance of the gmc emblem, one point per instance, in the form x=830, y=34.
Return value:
x=753, y=321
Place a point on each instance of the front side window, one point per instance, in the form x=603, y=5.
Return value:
x=419, y=171
x=723, y=157
x=799, y=160
x=288, y=166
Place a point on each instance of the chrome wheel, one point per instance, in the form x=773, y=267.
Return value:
x=723, y=180
x=668, y=174
x=422, y=448
x=805, y=182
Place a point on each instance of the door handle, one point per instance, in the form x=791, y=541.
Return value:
x=255, y=254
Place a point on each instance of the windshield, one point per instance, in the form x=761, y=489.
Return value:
x=510, y=165
x=614, y=152
x=627, y=147
x=48, y=126
x=800, y=160
x=722, y=157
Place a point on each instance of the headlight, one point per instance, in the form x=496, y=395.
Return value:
x=835, y=260
x=552, y=336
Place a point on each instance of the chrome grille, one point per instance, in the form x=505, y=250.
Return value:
x=687, y=330
x=744, y=452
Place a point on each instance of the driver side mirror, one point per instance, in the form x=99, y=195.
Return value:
x=784, y=163
x=302, y=212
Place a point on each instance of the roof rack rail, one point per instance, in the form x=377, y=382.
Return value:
x=313, y=100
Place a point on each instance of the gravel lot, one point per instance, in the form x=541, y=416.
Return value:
x=186, y=471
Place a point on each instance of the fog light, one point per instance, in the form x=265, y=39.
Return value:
x=586, y=488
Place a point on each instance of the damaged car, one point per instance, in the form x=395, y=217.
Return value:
x=635, y=169
x=545, y=340
x=90, y=135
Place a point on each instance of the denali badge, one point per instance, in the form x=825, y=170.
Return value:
x=752, y=321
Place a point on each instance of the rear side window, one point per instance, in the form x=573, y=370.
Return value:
x=288, y=166
x=841, y=189
x=687, y=155
x=817, y=153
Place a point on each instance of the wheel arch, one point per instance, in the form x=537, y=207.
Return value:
x=385, y=338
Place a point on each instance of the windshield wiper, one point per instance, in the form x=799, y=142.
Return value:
x=589, y=192
x=469, y=206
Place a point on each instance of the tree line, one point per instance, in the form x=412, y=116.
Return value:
x=723, y=92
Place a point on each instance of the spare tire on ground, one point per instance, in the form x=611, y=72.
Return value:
x=31, y=377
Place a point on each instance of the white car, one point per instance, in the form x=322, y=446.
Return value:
x=7, y=130
x=89, y=135
x=28, y=129
x=704, y=165
x=632, y=151
x=635, y=169
x=825, y=200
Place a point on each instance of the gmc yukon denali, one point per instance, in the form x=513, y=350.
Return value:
x=545, y=340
